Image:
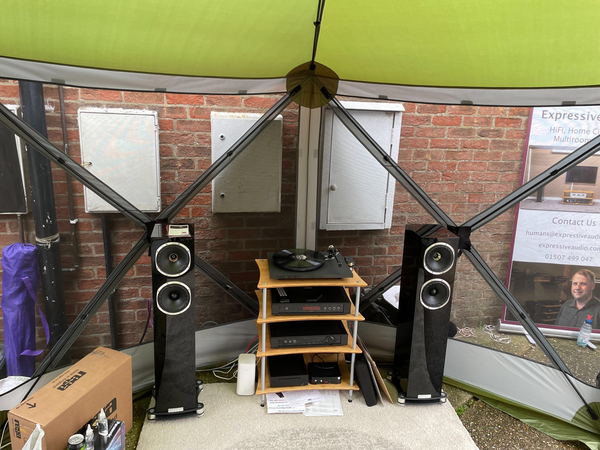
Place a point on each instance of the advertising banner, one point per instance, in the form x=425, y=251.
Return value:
x=555, y=261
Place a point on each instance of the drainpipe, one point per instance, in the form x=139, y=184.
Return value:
x=72, y=219
x=44, y=213
x=112, y=308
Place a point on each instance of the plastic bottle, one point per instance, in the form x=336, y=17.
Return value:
x=584, y=333
x=102, y=423
x=89, y=438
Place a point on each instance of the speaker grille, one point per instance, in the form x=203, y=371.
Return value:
x=172, y=259
x=173, y=298
x=435, y=294
x=438, y=258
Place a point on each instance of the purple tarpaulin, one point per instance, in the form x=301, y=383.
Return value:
x=19, y=285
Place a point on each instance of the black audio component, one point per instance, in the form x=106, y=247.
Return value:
x=176, y=389
x=324, y=373
x=428, y=267
x=308, y=333
x=308, y=264
x=310, y=300
x=287, y=370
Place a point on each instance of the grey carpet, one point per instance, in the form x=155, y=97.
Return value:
x=231, y=422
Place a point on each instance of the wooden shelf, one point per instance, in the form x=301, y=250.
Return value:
x=294, y=318
x=295, y=350
x=344, y=385
x=266, y=281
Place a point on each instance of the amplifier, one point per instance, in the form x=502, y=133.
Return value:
x=287, y=370
x=310, y=300
x=309, y=333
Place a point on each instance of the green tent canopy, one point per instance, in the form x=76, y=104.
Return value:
x=466, y=51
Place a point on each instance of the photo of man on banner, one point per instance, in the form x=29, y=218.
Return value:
x=583, y=305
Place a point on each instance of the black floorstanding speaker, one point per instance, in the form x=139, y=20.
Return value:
x=427, y=278
x=176, y=389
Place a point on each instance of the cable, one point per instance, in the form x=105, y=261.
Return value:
x=489, y=329
x=226, y=368
x=206, y=323
x=2, y=438
x=466, y=332
x=251, y=343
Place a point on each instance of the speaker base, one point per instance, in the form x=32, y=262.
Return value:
x=403, y=400
x=152, y=414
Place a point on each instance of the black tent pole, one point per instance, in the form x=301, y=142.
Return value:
x=47, y=237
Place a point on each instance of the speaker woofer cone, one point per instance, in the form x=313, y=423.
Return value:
x=439, y=258
x=172, y=259
x=173, y=298
x=435, y=294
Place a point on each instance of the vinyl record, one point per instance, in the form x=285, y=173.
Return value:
x=298, y=260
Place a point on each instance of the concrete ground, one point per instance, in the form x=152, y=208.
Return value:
x=490, y=428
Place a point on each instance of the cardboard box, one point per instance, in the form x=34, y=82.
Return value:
x=100, y=380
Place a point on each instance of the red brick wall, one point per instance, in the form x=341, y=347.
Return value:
x=466, y=158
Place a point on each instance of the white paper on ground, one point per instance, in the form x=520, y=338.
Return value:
x=280, y=405
x=297, y=398
x=329, y=406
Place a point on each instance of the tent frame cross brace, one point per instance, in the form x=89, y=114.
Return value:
x=42, y=145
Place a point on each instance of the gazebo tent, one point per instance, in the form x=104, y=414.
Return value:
x=465, y=53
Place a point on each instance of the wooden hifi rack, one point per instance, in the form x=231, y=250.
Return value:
x=334, y=352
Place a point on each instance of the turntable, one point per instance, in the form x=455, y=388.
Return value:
x=307, y=264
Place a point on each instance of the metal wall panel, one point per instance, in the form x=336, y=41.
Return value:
x=252, y=182
x=12, y=178
x=121, y=148
x=357, y=193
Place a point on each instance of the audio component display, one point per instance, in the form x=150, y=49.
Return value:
x=287, y=370
x=310, y=300
x=309, y=333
